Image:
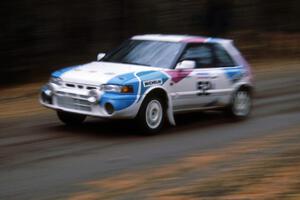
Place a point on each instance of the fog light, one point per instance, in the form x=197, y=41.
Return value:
x=94, y=96
x=47, y=92
x=92, y=99
x=46, y=98
x=109, y=108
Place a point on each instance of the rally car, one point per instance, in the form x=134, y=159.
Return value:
x=150, y=78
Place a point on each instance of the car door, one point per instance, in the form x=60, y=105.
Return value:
x=205, y=73
x=192, y=91
x=216, y=72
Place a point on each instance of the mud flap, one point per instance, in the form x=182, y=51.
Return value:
x=170, y=112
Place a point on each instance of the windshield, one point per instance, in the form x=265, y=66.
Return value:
x=145, y=52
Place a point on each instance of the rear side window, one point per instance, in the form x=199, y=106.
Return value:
x=223, y=59
x=201, y=53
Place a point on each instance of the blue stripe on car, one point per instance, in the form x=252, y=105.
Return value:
x=122, y=101
x=150, y=75
x=118, y=100
x=126, y=79
x=234, y=74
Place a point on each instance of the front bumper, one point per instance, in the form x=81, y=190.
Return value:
x=79, y=101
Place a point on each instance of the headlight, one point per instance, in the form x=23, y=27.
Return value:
x=116, y=88
x=56, y=81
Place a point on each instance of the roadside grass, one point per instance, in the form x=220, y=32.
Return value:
x=260, y=168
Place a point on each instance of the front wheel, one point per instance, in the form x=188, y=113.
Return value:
x=151, y=115
x=70, y=119
x=240, y=107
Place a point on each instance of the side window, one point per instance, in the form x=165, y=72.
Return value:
x=201, y=53
x=223, y=59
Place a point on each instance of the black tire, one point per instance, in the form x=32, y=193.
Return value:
x=70, y=119
x=141, y=118
x=234, y=111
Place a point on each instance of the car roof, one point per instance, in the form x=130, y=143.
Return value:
x=180, y=38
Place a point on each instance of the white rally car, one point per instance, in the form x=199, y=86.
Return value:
x=150, y=78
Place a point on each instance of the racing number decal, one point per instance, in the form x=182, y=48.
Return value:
x=203, y=86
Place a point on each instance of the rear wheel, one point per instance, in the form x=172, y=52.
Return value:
x=240, y=107
x=70, y=119
x=151, y=115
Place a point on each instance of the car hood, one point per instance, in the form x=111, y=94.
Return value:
x=96, y=73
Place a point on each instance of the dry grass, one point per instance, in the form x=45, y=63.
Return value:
x=261, y=168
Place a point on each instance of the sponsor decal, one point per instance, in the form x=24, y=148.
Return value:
x=178, y=75
x=146, y=76
x=203, y=75
x=203, y=87
x=149, y=83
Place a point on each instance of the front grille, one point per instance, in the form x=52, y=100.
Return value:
x=73, y=103
x=81, y=86
x=60, y=93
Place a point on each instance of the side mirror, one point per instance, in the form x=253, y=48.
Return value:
x=100, y=56
x=186, y=64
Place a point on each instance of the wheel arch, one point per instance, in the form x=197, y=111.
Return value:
x=162, y=93
x=247, y=87
x=157, y=91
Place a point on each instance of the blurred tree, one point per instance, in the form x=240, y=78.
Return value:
x=280, y=15
x=39, y=36
x=218, y=18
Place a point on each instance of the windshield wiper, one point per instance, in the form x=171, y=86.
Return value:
x=134, y=63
